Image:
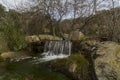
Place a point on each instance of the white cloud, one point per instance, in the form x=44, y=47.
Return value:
x=12, y=4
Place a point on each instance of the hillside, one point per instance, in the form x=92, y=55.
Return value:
x=104, y=24
x=37, y=44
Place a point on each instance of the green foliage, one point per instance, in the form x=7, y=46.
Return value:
x=75, y=66
x=14, y=37
x=26, y=70
x=2, y=10
x=10, y=26
x=3, y=44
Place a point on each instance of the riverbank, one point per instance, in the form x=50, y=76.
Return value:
x=26, y=70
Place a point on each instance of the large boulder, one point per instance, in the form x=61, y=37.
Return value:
x=48, y=37
x=66, y=36
x=76, y=35
x=36, y=42
x=33, y=38
x=15, y=55
x=107, y=64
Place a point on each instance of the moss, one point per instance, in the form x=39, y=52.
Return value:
x=1, y=59
x=81, y=71
x=75, y=66
x=25, y=70
x=14, y=37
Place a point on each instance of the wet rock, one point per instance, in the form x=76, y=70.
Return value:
x=36, y=47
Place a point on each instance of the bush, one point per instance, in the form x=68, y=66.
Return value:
x=3, y=44
x=75, y=66
x=15, y=38
x=10, y=25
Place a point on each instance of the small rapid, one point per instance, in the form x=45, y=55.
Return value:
x=55, y=50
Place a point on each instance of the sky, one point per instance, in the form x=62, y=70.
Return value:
x=10, y=3
x=13, y=3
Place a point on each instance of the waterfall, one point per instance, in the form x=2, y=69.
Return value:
x=56, y=49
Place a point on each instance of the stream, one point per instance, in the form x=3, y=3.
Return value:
x=25, y=70
x=35, y=69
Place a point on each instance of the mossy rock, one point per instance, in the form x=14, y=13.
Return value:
x=75, y=66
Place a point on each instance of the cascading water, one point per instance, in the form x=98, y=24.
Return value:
x=56, y=49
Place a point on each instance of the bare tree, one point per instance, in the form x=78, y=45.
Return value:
x=79, y=8
x=55, y=10
x=95, y=6
x=45, y=7
x=60, y=11
x=114, y=27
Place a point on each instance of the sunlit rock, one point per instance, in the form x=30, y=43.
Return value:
x=76, y=35
x=107, y=64
x=32, y=38
x=15, y=55
x=37, y=38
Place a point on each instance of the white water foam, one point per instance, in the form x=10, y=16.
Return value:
x=55, y=50
x=52, y=57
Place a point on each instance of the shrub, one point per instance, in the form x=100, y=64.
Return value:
x=75, y=66
x=10, y=25
x=15, y=38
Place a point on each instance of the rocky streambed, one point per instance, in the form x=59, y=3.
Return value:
x=92, y=60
